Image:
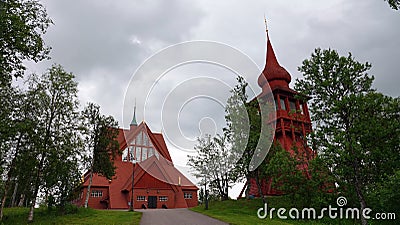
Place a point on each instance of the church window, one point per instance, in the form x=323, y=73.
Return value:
x=163, y=198
x=131, y=153
x=138, y=153
x=156, y=154
x=141, y=148
x=187, y=195
x=141, y=198
x=151, y=152
x=96, y=194
x=131, y=158
x=144, y=154
x=146, y=140
x=125, y=155
x=139, y=139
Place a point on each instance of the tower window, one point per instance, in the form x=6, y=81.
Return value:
x=292, y=105
x=301, y=107
x=283, y=106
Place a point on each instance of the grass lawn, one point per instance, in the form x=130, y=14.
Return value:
x=244, y=212
x=83, y=216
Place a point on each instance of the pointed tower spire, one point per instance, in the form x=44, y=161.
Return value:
x=133, y=122
x=273, y=73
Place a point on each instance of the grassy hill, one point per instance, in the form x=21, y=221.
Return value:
x=82, y=216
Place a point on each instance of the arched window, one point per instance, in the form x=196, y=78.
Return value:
x=142, y=148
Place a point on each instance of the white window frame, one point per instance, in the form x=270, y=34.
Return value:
x=187, y=195
x=163, y=198
x=141, y=198
x=96, y=194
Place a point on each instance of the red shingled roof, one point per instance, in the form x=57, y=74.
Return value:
x=161, y=169
x=274, y=73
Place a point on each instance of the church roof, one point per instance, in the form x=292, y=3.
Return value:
x=156, y=138
x=162, y=170
x=273, y=72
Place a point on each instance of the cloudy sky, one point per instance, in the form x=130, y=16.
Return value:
x=104, y=42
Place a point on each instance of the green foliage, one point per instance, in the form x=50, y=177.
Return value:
x=385, y=196
x=245, y=126
x=68, y=209
x=101, y=143
x=394, y=4
x=239, y=152
x=239, y=126
x=328, y=78
x=357, y=129
x=201, y=195
x=100, y=140
x=307, y=183
x=214, y=163
x=43, y=142
x=56, y=145
x=22, y=24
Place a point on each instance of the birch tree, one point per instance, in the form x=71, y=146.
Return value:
x=100, y=133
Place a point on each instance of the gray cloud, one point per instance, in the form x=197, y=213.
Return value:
x=104, y=42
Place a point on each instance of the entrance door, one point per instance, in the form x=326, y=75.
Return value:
x=152, y=202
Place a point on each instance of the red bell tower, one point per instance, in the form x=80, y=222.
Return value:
x=293, y=121
x=292, y=117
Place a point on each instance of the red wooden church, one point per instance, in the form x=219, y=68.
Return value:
x=292, y=117
x=146, y=161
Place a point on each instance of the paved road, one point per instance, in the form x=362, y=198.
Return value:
x=176, y=217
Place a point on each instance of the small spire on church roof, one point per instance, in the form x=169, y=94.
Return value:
x=133, y=122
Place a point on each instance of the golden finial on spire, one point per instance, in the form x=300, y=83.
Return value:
x=265, y=21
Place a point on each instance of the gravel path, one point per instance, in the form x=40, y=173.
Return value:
x=176, y=217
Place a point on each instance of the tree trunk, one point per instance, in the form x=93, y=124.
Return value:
x=3, y=199
x=361, y=200
x=35, y=193
x=14, y=194
x=88, y=189
x=259, y=187
x=9, y=174
x=36, y=190
x=248, y=186
x=355, y=163
x=21, y=200
x=226, y=191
